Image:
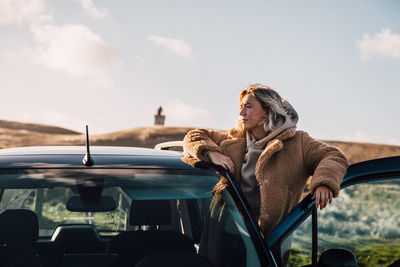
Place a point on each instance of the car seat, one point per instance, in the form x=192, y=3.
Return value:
x=174, y=259
x=19, y=230
x=77, y=241
x=132, y=246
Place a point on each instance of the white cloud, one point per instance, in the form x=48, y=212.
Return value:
x=383, y=44
x=72, y=48
x=180, y=114
x=140, y=59
x=177, y=46
x=55, y=118
x=91, y=10
x=75, y=49
x=97, y=124
x=19, y=11
x=394, y=141
x=362, y=137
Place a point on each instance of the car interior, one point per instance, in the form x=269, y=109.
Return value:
x=140, y=223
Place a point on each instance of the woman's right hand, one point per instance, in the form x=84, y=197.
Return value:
x=221, y=160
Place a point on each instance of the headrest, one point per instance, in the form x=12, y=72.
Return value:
x=150, y=212
x=337, y=257
x=76, y=238
x=18, y=226
x=176, y=259
x=72, y=233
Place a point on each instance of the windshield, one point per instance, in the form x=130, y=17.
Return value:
x=46, y=192
x=182, y=203
x=49, y=204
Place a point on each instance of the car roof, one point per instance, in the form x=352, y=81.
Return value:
x=104, y=157
x=145, y=172
x=73, y=150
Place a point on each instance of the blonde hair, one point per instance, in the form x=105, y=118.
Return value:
x=278, y=109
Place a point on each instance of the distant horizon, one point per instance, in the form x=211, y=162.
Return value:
x=148, y=126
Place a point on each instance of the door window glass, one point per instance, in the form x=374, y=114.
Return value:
x=226, y=240
x=365, y=219
x=296, y=248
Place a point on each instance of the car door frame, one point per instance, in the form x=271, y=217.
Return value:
x=265, y=255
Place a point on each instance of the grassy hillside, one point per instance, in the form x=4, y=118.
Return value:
x=34, y=127
x=142, y=137
x=16, y=134
x=357, y=152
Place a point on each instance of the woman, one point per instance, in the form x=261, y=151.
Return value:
x=270, y=160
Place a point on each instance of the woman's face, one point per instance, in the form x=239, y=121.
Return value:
x=251, y=113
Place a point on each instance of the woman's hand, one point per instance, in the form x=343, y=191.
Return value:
x=221, y=160
x=322, y=196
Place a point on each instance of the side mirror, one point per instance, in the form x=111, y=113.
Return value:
x=105, y=203
x=337, y=257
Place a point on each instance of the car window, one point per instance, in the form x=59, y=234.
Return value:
x=213, y=223
x=216, y=226
x=296, y=248
x=365, y=219
x=226, y=240
x=49, y=204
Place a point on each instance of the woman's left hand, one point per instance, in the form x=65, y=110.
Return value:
x=322, y=196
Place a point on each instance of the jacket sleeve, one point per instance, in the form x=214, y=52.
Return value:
x=198, y=141
x=325, y=163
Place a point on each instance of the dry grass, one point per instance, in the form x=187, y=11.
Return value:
x=34, y=127
x=16, y=134
x=356, y=152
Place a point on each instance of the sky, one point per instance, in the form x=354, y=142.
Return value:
x=111, y=64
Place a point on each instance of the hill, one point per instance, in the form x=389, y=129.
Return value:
x=142, y=137
x=16, y=134
x=356, y=152
x=34, y=127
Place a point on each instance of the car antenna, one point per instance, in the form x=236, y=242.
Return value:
x=87, y=160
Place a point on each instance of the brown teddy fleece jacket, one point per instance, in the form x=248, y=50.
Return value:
x=282, y=169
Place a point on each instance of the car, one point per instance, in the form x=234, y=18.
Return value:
x=121, y=206
x=115, y=206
